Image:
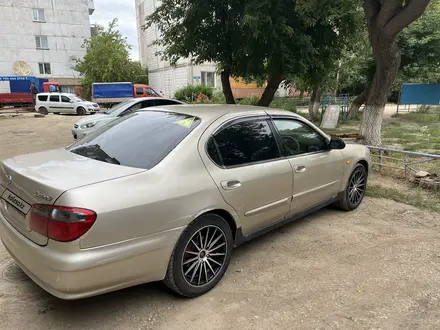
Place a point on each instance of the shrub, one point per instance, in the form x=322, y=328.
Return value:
x=253, y=100
x=191, y=92
x=285, y=104
x=218, y=97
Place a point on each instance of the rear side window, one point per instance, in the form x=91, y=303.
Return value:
x=54, y=98
x=140, y=140
x=166, y=102
x=42, y=98
x=244, y=143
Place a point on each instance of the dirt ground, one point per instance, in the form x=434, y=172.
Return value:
x=375, y=268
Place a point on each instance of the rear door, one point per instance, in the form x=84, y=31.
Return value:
x=317, y=170
x=244, y=160
x=54, y=103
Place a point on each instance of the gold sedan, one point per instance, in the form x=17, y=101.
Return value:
x=166, y=194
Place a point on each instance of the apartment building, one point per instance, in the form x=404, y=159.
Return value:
x=45, y=37
x=163, y=77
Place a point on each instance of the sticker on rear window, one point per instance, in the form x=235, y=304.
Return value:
x=187, y=123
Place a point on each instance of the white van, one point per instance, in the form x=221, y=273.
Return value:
x=64, y=103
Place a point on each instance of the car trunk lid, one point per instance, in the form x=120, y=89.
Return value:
x=41, y=178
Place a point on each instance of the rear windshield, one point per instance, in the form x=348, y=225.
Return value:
x=138, y=140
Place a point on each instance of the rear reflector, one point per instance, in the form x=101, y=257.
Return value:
x=62, y=224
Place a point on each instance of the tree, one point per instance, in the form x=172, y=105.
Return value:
x=107, y=58
x=385, y=21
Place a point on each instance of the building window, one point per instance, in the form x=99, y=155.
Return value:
x=41, y=42
x=208, y=78
x=44, y=68
x=38, y=14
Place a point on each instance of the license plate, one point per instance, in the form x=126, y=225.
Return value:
x=16, y=202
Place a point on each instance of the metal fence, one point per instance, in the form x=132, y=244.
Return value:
x=408, y=159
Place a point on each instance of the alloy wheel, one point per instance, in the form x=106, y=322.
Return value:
x=204, y=256
x=357, y=187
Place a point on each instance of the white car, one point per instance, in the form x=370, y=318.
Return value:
x=64, y=103
x=86, y=125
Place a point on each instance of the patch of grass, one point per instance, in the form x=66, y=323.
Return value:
x=414, y=197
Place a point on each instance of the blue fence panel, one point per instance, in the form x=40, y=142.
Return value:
x=423, y=94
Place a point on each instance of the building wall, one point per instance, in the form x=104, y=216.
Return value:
x=66, y=25
x=163, y=77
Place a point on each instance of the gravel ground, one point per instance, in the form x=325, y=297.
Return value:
x=375, y=268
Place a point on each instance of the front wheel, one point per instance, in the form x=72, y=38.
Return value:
x=201, y=257
x=81, y=111
x=356, y=189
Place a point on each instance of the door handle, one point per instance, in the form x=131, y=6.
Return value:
x=300, y=169
x=231, y=184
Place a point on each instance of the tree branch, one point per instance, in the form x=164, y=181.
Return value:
x=371, y=8
x=387, y=11
x=409, y=13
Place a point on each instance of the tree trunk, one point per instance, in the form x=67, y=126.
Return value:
x=387, y=65
x=353, y=112
x=315, y=103
x=226, y=86
x=271, y=89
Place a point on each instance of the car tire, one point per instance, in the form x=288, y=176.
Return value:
x=200, y=257
x=355, y=191
x=81, y=111
x=43, y=111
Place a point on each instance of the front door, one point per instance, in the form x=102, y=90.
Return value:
x=67, y=105
x=317, y=171
x=246, y=164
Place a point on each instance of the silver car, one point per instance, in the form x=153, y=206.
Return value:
x=166, y=194
x=86, y=125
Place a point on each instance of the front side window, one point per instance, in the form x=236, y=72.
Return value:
x=38, y=15
x=140, y=140
x=299, y=138
x=151, y=92
x=65, y=99
x=54, y=98
x=244, y=143
x=44, y=68
x=41, y=42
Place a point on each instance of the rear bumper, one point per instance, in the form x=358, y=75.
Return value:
x=83, y=273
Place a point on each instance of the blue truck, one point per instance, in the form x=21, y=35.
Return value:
x=117, y=92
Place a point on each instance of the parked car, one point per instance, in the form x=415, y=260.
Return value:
x=64, y=103
x=86, y=125
x=167, y=193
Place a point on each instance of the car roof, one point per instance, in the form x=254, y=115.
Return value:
x=212, y=111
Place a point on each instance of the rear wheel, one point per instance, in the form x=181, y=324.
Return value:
x=81, y=111
x=355, y=191
x=43, y=110
x=201, y=257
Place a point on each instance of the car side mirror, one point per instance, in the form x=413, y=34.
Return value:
x=337, y=144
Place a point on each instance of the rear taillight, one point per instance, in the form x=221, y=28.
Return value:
x=63, y=224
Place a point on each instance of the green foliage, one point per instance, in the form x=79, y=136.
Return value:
x=191, y=92
x=285, y=104
x=107, y=59
x=252, y=100
x=218, y=97
x=420, y=48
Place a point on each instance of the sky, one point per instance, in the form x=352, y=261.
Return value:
x=125, y=12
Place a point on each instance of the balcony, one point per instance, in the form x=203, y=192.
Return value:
x=91, y=7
